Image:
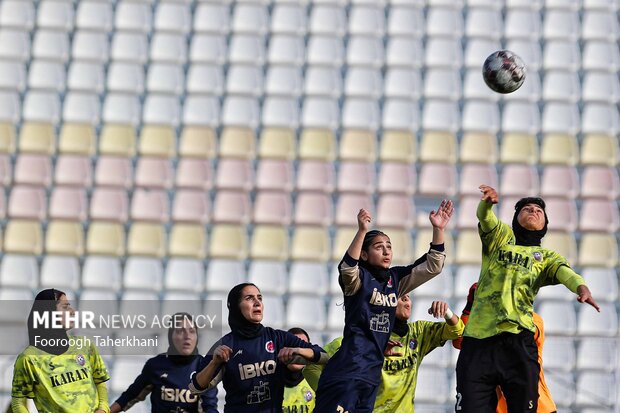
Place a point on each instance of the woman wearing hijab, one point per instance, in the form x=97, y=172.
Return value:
x=61, y=373
x=251, y=360
x=165, y=375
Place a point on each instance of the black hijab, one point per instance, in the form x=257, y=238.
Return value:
x=526, y=237
x=51, y=340
x=173, y=353
x=293, y=378
x=380, y=274
x=237, y=322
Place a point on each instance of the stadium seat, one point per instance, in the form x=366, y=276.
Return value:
x=286, y=50
x=56, y=15
x=82, y=108
x=188, y=240
x=109, y=204
x=105, y=239
x=561, y=54
x=441, y=115
x=603, y=282
x=442, y=83
x=564, y=214
x=423, y=243
x=33, y=170
x=173, y=17
x=405, y=21
x=162, y=110
x=165, y=78
x=17, y=14
x=465, y=276
x=559, y=316
x=600, y=87
x=599, y=25
x=194, y=173
x=228, y=241
x=478, y=148
x=561, y=24
x=280, y=112
x=348, y=205
x=595, y=389
x=600, y=182
x=102, y=273
x=274, y=208
x=14, y=44
x=289, y=18
x=203, y=112
x=402, y=83
x=438, y=146
x=519, y=180
x=484, y=23
x=129, y=47
x=52, y=45
x=205, y=78
x=197, y=142
x=122, y=109
x=276, y=175
x=154, y=173
x=400, y=115
x=356, y=177
x=37, y=137
x=329, y=20
x=222, y=275
x=157, y=140
x=88, y=45
x=19, y=271
x=599, y=149
x=468, y=247
x=563, y=243
x=247, y=49
x=190, y=206
x=558, y=148
x=269, y=243
x=273, y=309
x=169, y=48
x=600, y=118
x=475, y=88
x=395, y=211
x=596, y=353
x=208, y=48
x=184, y=274
x=472, y=175
x=335, y=314
x=560, y=181
x=60, y=272
x=47, y=75
x=559, y=353
x=285, y=80
x=365, y=51
x=396, y=177
x=132, y=16
x=146, y=239
x=408, y=52
x=41, y=106
x=432, y=385
x=231, y=207
x=298, y=309
x=270, y=276
x=599, y=215
x=466, y=212
x=23, y=237
x=561, y=86
x=598, y=250
x=118, y=140
x=367, y=20
x=149, y=205
x=77, y=138
x=28, y=203
x=302, y=273
x=443, y=52
x=68, y=203
x=437, y=180
x=363, y=82
x=444, y=22
x=94, y=16
x=521, y=117
x=323, y=81
x=479, y=116
x=126, y=369
x=562, y=387
x=342, y=240
x=13, y=76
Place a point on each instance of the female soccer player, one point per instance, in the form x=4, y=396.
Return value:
x=62, y=373
x=371, y=290
x=165, y=376
x=498, y=347
x=411, y=343
x=298, y=395
x=246, y=359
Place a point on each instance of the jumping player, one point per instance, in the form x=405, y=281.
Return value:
x=165, y=375
x=298, y=395
x=61, y=373
x=246, y=359
x=371, y=290
x=498, y=347
x=409, y=344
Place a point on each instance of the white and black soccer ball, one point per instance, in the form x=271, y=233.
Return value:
x=503, y=71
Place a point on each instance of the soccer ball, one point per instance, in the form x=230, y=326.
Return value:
x=503, y=71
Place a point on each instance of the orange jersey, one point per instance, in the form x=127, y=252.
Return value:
x=545, y=402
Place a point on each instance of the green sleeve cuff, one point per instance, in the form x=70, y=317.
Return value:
x=569, y=278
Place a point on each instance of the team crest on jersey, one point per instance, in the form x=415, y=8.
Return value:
x=389, y=284
x=308, y=395
x=413, y=343
x=538, y=256
x=270, y=347
x=80, y=359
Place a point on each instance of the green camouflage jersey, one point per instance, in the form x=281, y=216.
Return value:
x=60, y=384
x=298, y=399
x=510, y=277
x=399, y=374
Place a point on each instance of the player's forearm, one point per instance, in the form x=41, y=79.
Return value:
x=102, y=397
x=438, y=236
x=19, y=405
x=349, y=275
x=355, y=249
x=570, y=278
x=202, y=380
x=485, y=215
x=429, y=266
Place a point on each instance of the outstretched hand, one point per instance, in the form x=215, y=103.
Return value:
x=389, y=349
x=441, y=217
x=585, y=296
x=489, y=194
x=363, y=220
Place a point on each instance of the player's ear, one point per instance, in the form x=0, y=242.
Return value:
x=364, y=256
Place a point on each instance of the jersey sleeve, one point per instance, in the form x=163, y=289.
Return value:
x=99, y=369
x=138, y=390
x=493, y=232
x=208, y=401
x=422, y=270
x=24, y=378
x=349, y=275
x=435, y=334
x=291, y=340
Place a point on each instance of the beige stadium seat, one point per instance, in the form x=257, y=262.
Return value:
x=237, y=142
x=118, y=140
x=438, y=147
x=358, y=145
x=228, y=241
x=77, y=138
x=23, y=237
x=317, y=144
x=398, y=146
x=310, y=244
x=105, y=238
x=468, y=247
x=269, y=243
x=7, y=137
x=563, y=243
x=423, y=243
x=519, y=148
x=188, y=240
x=36, y=137
x=479, y=147
x=559, y=148
x=158, y=140
x=64, y=238
x=344, y=236
x=198, y=141
x=598, y=250
x=146, y=239
x=600, y=150
x=402, y=246
x=277, y=143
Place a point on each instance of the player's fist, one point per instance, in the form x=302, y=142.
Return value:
x=438, y=309
x=222, y=354
x=489, y=194
x=441, y=217
x=389, y=349
x=363, y=220
x=470, y=298
x=288, y=354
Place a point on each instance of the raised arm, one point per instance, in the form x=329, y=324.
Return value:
x=348, y=269
x=485, y=214
x=576, y=284
x=204, y=379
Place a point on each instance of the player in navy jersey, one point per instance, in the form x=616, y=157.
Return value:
x=371, y=288
x=251, y=360
x=165, y=376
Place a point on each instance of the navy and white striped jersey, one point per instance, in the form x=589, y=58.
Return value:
x=168, y=384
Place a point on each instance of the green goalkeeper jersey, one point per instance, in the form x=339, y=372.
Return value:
x=510, y=277
x=298, y=399
x=64, y=383
x=399, y=374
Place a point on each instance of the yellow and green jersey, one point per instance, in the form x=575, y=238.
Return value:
x=64, y=383
x=298, y=399
x=399, y=374
x=510, y=278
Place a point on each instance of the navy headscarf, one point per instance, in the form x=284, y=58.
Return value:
x=173, y=354
x=237, y=322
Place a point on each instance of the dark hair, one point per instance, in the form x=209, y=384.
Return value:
x=370, y=236
x=299, y=330
x=529, y=200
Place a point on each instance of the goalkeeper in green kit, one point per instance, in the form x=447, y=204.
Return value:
x=498, y=346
